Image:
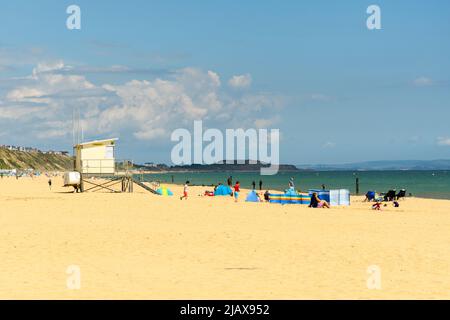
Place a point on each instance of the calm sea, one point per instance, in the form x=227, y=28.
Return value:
x=429, y=184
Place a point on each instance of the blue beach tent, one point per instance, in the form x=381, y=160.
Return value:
x=371, y=195
x=252, y=197
x=163, y=191
x=223, y=190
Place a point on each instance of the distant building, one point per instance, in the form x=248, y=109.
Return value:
x=33, y=150
x=150, y=165
x=61, y=153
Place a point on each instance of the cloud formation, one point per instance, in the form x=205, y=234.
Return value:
x=423, y=82
x=144, y=109
x=443, y=141
x=240, y=81
x=329, y=144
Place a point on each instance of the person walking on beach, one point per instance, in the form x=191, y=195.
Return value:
x=253, y=185
x=260, y=185
x=50, y=183
x=185, y=191
x=230, y=181
x=236, y=191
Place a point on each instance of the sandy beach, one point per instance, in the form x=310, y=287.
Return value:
x=142, y=246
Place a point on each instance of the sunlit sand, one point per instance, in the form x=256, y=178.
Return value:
x=142, y=246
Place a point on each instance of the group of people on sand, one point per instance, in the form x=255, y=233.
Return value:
x=390, y=196
x=237, y=190
x=315, y=202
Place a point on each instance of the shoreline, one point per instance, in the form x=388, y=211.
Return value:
x=435, y=196
x=419, y=196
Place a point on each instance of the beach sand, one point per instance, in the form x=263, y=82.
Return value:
x=141, y=246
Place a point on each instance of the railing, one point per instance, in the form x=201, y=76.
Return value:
x=97, y=166
x=124, y=166
x=105, y=166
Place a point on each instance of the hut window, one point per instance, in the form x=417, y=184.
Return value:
x=109, y=152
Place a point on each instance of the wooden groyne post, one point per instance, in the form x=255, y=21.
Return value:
x=357, y=185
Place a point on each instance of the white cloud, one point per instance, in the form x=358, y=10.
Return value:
x=266, y=123
x=240, y=81
x=214, y=77
x=143, y=109
x=329, y=144
x=53, y=129
x=150, y=134
x=48, y=67
x=443, y=141
x=17, y=112
x=24, y=93
x=423, y=82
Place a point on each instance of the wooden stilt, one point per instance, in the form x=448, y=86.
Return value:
x=81, y=183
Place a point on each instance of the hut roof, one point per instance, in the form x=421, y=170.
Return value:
x=96, y=142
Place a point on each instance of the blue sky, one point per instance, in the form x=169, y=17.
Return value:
x=337, y=91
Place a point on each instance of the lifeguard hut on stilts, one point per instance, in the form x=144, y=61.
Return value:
x=96, y=160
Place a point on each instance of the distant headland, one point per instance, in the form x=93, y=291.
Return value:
x=233, y=166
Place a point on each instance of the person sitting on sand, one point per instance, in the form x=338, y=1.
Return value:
x=317, y=203
x=266, y=195
x=185, y=191
x=390, y=195
x=376, y=206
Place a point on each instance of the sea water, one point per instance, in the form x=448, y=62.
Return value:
x=428, y=184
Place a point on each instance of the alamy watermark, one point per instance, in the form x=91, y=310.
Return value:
x=373, y=22
x=239, y=144
x=73, y=21
x=73, y=281
x=374, y=280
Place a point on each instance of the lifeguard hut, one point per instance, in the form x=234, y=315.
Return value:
x=96, y=159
